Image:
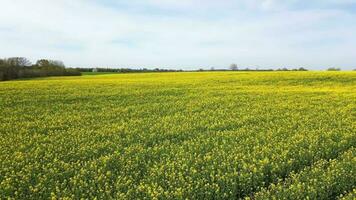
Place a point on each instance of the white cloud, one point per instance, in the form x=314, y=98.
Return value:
x=201, y=33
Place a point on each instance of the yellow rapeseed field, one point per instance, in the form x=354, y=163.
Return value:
x=208, y=135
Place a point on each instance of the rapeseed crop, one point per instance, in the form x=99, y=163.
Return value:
x=209, y=135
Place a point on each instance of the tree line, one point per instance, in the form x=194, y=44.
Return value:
x=233, y=67
x=142, y=70
x=20, y=67
x=125, y=70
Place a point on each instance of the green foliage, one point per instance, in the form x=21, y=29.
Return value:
x=221, y=135
x=334, y=69
x=349, y=196
x=324, y=180
x=18, y=67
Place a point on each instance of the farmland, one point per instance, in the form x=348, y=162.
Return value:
x=208, y=135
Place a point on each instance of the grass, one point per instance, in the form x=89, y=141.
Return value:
x=211, y=135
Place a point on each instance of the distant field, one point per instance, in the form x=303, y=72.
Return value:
x=211, y=135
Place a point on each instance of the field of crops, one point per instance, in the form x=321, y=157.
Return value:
x=221, y=135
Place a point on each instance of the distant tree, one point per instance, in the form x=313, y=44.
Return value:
x=283, y=69
x=212, y=69
x=42, y=63
x=233, y=67
x=2, y=69
x=49, y=63
x=302, y=69
x=333, y=69
x=18, y=62
x=50, y=67
x=57, y=63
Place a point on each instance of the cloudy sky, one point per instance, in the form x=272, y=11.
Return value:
x=182, y=34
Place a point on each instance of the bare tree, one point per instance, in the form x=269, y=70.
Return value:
x=18, y=61
x=50, y=63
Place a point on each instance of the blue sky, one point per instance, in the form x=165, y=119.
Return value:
x=182, y=34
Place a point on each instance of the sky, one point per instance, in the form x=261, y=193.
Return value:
x=182, y=34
